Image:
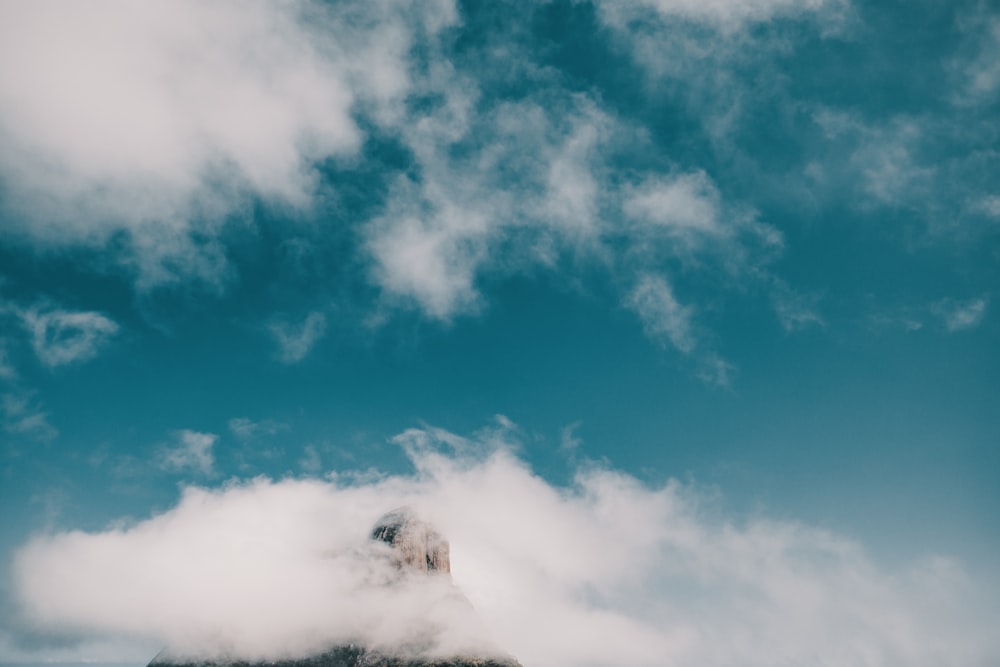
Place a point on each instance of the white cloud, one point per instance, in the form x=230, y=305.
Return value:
x=661, y=314
x=725, y=14
x=503, y=190
x=884, y=155
x=795, y=311
x=978, y=67
x=296, y=341
x=569, y=441
x=667, y=320
x=961, y=315
x=685, y=205
x=61, y=337
x=23, y=416
x=247, y=429
x=150, y=124
x=716, y=370
x=430, y=256
x=311, y=462
x=605, y=571
x=683, y=216
x=954, y=315
x=988, y=205
x=7, y=370
x=191, y=451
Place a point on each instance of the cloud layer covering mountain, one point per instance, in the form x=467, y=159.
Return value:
x=605, y=571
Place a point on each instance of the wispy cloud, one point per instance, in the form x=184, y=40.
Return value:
x=977, y=68
x=61, y=337
x=728, y=15
x=569, y=441
x=950, y=315
x=989, y=205
x=684, y=205
x=662, y=316
x=959, y=315
x=500, y=191
x=311, y=461
x=795, y=311
x=295, y=341
x=247, y=429
x=190, y=451
x=883, y=154
x=667, y=320
x=22, y=416
x=619, y=572
x=496, y=187
x=7, y=370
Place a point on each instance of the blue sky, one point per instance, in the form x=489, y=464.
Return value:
x=750, y=246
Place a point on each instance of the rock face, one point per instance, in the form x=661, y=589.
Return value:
x=415, y=543
x=416, y=549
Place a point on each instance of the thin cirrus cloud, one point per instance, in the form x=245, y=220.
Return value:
x=616, y=571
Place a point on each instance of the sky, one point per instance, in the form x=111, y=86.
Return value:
x=679, y=319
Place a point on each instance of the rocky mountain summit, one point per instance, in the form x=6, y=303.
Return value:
x=416, y=549
x=416, y=544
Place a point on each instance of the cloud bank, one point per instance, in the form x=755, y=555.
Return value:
x=604, y=571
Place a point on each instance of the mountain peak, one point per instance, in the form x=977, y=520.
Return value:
x=416, y=544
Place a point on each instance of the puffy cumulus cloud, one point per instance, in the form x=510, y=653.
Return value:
x=146, y=126
x=604, y=571
x=60, y=337
x=191, y=451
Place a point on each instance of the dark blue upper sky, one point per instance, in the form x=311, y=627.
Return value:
x=748, y=244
